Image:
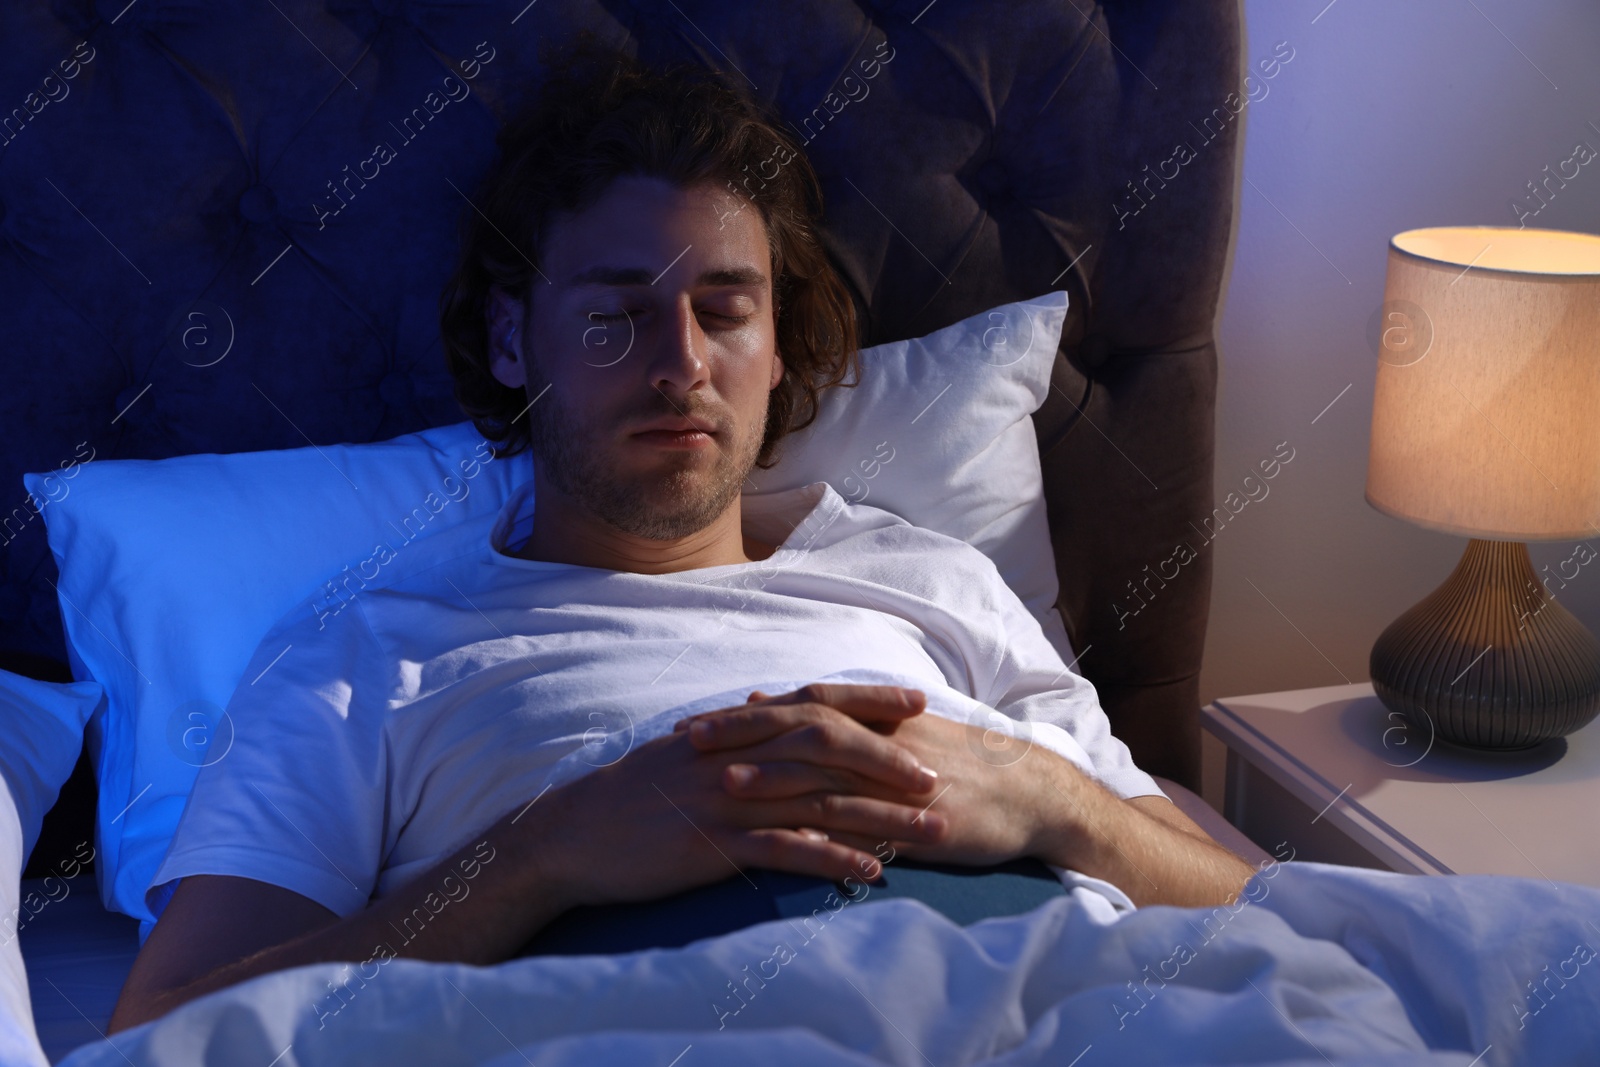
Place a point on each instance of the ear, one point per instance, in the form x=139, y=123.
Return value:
x=777, y=369
x=504, y=319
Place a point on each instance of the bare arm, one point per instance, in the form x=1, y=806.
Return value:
x=477, y=906
x=1150, y=850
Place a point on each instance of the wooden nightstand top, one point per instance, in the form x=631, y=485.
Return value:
x=1433, y=809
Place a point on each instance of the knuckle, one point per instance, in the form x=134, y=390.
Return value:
x=822, y=735
x=810, y=716
x=888, y=754
x=829, y=805
x=764, y=847
x=770, y=780
x=813, y=712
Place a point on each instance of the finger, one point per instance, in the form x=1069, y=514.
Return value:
x=836, y=813
x=869, y=703
x=799, y=853
x=756, y=696
x=890, y=851
x=885, y=850
x=865, y=703
x=754, y=722
x=844, y=744
x=793, y=778
x=736, y=727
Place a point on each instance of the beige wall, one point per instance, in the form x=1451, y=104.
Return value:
x=1393, y=114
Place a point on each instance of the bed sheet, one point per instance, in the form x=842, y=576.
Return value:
x=1314, y=964
x=77, y=955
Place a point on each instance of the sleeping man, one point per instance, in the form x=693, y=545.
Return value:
x=644, y=684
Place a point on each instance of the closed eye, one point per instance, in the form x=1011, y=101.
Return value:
x=597, y=316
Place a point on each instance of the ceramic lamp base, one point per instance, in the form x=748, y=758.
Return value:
x=1489, y=660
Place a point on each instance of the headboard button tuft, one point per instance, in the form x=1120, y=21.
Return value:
x=129, y=403
x=994, y=178
x=258, y=204
x=1094, y=351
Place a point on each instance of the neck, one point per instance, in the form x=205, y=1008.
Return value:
x=564, y=532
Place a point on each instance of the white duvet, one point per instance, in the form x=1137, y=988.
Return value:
x=1316, y=964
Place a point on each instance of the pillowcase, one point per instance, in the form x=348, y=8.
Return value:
x=939, y=432
x=164, y=603
x=19, y=1039
x=172, y=570
x=41, y=733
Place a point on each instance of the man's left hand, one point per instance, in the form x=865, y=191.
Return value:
x=1000, y=797
x=994, y=790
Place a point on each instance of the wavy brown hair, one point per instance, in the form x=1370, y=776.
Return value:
x=603, y=115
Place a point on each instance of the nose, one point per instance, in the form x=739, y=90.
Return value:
x=678, y=363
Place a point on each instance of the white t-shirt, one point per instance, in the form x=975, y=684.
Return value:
x=394, y=730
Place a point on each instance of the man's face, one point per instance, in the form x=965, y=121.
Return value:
x=657, y=315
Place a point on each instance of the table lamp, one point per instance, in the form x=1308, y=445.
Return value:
x=1486, y=423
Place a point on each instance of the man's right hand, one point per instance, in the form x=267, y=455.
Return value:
x=660, y=820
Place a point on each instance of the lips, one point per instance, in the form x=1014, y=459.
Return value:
x=677, y=425
x=674, y=438
x=676, y=432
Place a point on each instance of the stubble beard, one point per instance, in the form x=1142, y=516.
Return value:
x=676, y=499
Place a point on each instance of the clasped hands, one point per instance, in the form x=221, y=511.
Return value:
x=829, y=780
x=977, y=802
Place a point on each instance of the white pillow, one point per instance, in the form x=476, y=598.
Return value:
x=171, y=571
x=41, y=733
x=19, y=1040
x=939, y=432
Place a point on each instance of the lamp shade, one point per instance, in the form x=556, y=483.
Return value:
x=1486, y=415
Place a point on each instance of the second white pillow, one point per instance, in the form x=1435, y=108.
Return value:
x=939, y=433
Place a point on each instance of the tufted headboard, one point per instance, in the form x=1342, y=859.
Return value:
x=168, y=166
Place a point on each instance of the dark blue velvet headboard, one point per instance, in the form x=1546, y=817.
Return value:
x=204, y=249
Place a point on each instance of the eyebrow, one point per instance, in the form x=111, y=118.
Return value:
x=619, y=276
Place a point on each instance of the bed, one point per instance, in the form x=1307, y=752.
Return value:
x=175, y=237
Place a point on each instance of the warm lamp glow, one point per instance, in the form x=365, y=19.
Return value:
x=1528, y=251
x=1486, y=415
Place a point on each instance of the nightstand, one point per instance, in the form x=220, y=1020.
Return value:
x=1332, y=774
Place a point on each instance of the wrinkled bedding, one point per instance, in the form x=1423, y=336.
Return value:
x=1314, y=964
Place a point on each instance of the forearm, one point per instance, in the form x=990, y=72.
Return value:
x=477, y=906
x=1151, y=860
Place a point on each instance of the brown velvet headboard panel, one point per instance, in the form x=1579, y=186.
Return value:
x=1129, y=480
x=157, y=154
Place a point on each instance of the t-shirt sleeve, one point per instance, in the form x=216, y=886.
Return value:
x=297, y=799
x=1060, y=707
